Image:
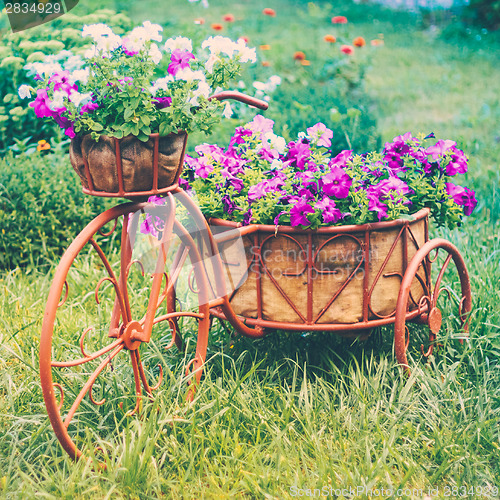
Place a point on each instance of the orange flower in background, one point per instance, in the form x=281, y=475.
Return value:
x=265, y=47
x=359, y=42
x=299, y=56
x=42, y=145
x=199, y=20
x=269, y=12
x=329, y=39
x=266, y=64
x=347, y=49
x=377, y=42
x=217, y=27
x=339, y=20
x=305, y=62
x=229, y=18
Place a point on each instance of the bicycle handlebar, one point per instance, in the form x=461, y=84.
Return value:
x=238, y=96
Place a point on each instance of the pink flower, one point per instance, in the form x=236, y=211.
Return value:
x=339, y=20
x=337, y=183
x=329, y=210
x=179, y=60
x=320, y=135
x=41, y=104
x=393, y=183
x=458, y=163
x=341, y=159
x=462, y=196
x=347, y=49
x=298, y=213
x=440, y=148
x=260, y=124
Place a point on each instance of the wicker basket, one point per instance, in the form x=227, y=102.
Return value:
x=128, y=167
x=335, y=275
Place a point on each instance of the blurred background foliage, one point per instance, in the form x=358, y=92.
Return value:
x=349, y=93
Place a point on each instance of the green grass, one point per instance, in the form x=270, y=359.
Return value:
x=290, y=410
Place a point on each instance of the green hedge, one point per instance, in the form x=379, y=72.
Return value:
x=42, y=208
x=486, y=13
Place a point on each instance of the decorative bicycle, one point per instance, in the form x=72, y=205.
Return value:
x=121, y=296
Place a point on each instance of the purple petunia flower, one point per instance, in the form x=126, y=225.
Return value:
x=462, y=196
x=341, y=159
x=298, y=213
x=179, y=60
x=61, y=82
x=41, y=104
x=247, y=218
x=89, y=107
x=329, y=210
x=162, y=102
x=395, y=150
x=260, y=125
x=299, y=153
x=229, y=205
x=337, y=183
x=375, y=205
x=239, y=136
x=458, y=163
x=392, y=184
x=440, y=148
x=320, y=135
x=258, y=191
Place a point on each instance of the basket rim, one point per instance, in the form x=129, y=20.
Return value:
x=422, y=214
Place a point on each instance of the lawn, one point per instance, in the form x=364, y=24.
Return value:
x=289, y=413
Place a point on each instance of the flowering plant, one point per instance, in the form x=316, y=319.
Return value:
x=115, y=88
x=259, y=178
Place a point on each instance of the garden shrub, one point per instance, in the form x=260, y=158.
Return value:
x=486, y=13
x=17, y=121
x=42, y=208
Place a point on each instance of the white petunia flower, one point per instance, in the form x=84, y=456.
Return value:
x=43, y=69
x=209, y=65
x=79, y=75
x=178, y=43
x=189, y=75
x=203, y=90
x=220, y=44
x=276, y=164
x=78, y=99
x=228, y=112
x=276, y=142
x=132, y=46
x=73, y=62
x=139, y=34
x=246, y=53
x=24, y=91
x=153, y=30
x=58, y=100
x=161, y=84
x=155, y=54
x=105, y=45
